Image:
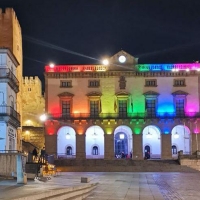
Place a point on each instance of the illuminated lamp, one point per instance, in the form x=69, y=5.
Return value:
x=43, y=117
x=176, y=135
x=51, y=65
x=173, y=70
x=94, y=135
x=198, y=69
x=149, y=135
x=105, y=62
x=121, y=136
x=187, y=70
x=68, y=136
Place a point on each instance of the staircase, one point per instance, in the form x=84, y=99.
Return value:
x=121, y=165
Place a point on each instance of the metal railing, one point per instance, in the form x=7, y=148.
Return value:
x=9, y=111
x=6, y=73
x=144, y=115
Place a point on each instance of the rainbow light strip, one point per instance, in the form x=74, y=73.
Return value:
x=168, y=67
x=139, y=67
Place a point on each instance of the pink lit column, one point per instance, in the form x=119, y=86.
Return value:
x=195, y=142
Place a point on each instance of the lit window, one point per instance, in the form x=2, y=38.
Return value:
x=93, y=83
x=150, y=83
x=179, y=82
x=66, y=84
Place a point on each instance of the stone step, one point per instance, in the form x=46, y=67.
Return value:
x=75, y=192
x=122, y=166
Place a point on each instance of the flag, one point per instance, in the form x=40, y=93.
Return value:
x=100, y=110
x=115, y=106
x=131, y=104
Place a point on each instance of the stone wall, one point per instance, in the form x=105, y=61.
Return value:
x=34, y=135
x=8, y=163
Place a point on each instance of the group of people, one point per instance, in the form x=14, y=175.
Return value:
x=42, y=156
x=123, y=155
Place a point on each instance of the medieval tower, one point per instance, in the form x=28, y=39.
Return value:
x=11, y=37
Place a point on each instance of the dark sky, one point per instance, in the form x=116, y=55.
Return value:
x=156, y=31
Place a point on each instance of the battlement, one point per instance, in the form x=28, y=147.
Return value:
x=31, y=80
x=9, y=13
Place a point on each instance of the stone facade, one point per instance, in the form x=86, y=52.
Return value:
x=32, y=109
x=11, y=37
x=155, y=108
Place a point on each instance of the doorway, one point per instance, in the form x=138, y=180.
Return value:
x=147, y=151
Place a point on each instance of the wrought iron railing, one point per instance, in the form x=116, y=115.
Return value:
x=6, y=73
x=145, y=115
x=9, y=111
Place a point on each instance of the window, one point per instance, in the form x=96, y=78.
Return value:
x=94, y=108
x=180, y=104
x=151, y=107
x=93, y=83
x=179, y=82
x=66, y=102
x=122, y=108
x=174, y=149
x=66, y=84
x=122, y=82
x=150, y=83
x=95, y=150
x=151, y=103
x=66, y=109
x=69, y=150
x=29, y=89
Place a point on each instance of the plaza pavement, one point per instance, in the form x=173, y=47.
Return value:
x=113, y=186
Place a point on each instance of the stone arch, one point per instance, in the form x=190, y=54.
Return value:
x=94, y=136
x=152, y=137
x=66, y=136
x=180, y=137
x=123, y=141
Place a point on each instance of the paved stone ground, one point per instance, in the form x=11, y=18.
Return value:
x=115, y=186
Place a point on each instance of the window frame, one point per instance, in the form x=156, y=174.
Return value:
x=149, y=81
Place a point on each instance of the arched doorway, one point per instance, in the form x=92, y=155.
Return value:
x=95, y=150
x=94, y=142
x=123, y=144
x=151, y=142
x=66, y=142
x=180, y=137
x=147, y=151
x=174, y=150
x=69, y=150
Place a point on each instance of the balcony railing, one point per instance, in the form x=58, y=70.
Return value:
x=159, y=115
x=9, y=111
x=6, y=73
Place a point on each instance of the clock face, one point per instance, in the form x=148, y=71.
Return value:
x=122, y=59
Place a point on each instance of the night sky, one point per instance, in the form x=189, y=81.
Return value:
x=156, y=31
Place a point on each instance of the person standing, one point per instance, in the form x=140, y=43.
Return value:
x=35, y=154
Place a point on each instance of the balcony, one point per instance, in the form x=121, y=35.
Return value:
x=6, y=76
x=87, y=116
x=8, y=114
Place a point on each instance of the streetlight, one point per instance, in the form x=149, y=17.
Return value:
x=105, y=62
x=43, y=117
x=51, y=65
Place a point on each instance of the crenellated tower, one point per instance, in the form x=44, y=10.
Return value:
x=11, y=37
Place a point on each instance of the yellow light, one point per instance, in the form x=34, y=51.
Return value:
x=105, y=62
